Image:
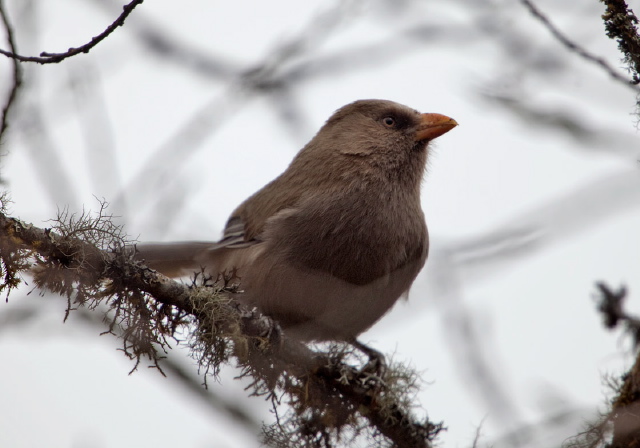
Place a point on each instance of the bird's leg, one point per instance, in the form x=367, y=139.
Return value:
x=377, y=362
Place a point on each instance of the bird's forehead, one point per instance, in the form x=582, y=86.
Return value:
x=372, y=108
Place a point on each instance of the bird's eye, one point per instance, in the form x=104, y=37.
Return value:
x=389, y=121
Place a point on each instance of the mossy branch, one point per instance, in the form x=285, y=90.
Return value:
x=88, y=260
x=621, y=24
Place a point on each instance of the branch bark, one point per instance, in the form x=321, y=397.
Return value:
x=53, y=58
x=335, y=394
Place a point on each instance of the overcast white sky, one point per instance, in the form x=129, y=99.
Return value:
x=524, y=216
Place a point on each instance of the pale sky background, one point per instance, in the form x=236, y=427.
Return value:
x=524, y=216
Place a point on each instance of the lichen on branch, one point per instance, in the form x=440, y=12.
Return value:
x=621, y=25
x=330, y=399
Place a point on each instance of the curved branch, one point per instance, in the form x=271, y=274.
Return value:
x=53, y=58
x=326, y=393
x=574, y=47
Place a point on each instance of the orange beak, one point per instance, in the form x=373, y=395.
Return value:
x=434, y=125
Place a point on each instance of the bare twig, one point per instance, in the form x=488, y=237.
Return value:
x=17, y=71
x=574, y=47
x=53, y=58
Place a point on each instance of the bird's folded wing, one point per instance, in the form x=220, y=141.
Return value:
x=177, y=259
x=234, y=236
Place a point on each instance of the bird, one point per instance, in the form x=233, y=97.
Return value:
x=330, y=245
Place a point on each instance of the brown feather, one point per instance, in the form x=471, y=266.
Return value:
x=329, y=245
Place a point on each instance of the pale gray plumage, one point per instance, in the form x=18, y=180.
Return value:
x=330, y=245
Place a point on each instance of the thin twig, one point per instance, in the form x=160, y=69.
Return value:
x=574, y=47
x=52, y=58
x=17, y=71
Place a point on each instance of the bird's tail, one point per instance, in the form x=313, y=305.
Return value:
x=175, y=259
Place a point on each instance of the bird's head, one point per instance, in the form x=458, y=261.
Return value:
x=365, y=126
x=377, y=135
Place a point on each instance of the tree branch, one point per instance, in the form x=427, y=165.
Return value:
x=86, y=260
x=53, y=58
x=620, y=23
x=16, y=82
x=574, y=47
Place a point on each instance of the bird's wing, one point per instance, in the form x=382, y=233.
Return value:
x=249, y=221
x=183, y=258
x=234, y=236
x=238, y=235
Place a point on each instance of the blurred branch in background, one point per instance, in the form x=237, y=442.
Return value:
x=47, y=158
x=575, y=48
x=97, y=129
x=25, y=314
x=461, y=264
x=593, y=137
x=280, y=73
x=551, y=223
x=620, y=23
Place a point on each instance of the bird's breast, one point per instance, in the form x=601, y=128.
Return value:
x=355, y=241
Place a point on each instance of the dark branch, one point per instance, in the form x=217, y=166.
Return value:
x=327, y=394
x=620, y=23
x=53, y=58
x=17, y=71
x=611, y=306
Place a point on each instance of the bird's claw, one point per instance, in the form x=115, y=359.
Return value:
x=376, y=368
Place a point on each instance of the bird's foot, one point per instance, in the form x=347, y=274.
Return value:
x=376, y=368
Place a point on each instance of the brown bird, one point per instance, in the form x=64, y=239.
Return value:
x=328, y=247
